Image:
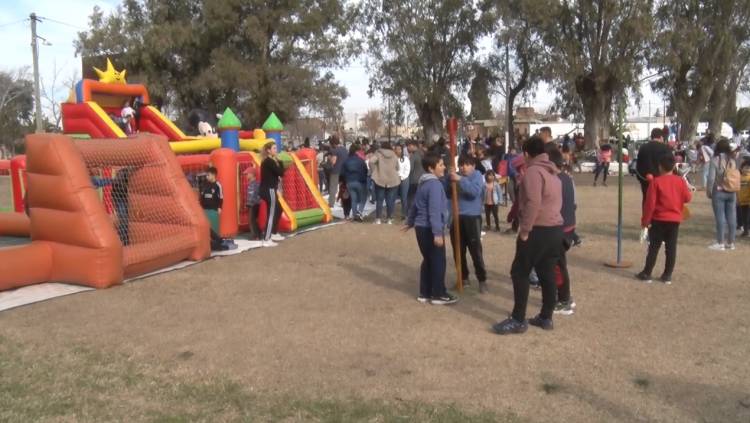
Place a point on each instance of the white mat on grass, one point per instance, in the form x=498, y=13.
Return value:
x=46, y=291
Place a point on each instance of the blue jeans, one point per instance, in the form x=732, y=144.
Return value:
x=359, y=197
x=432, y=271
x=725, y=212
x=706, y=167
x=389, y=194
x=403, y=194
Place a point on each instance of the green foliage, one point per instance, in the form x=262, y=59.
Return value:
x=423, y=49
x=597, y=51
x=740, y=121
x=16, y=108
x=255, y=56
x=481, y=108
x=698, y=50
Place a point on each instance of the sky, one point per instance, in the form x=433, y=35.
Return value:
x=73, y=15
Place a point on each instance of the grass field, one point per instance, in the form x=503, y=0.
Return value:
x=326, y=328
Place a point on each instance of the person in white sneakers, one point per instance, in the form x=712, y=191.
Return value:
x=271, y=171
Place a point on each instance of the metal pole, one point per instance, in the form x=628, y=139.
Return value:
x=508, y=106
x=37, y=90
x=619, y=197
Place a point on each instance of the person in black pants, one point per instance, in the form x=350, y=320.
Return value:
x=470, y=189
x=540, y=236
x=271, y=171
x=662, y=213
x=647, y=161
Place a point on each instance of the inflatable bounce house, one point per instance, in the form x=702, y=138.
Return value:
x=116, y=196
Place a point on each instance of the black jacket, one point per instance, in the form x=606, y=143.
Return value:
x=212, y=197
x=647, y=161
x=270, y=172
x=568, y=211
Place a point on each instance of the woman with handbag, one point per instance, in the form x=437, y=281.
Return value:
x=722, y=186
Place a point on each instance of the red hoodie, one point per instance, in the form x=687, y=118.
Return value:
x=665, y=199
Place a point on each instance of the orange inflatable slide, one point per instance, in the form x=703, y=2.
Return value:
x=101, y=211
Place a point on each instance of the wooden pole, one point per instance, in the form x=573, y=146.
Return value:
x=452, y=130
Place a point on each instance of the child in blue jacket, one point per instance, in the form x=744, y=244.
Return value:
x=428, y=216
x=470, y=194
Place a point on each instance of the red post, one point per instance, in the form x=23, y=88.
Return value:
x=452, y=131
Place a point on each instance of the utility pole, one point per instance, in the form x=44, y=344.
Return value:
x=37, y=90
x=508, y=111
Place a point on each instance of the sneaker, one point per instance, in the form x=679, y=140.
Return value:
x=483, y=289
x=716, y=247
x=390, y=221
x=643, y=277
x=378, y=221
x=277, y=238
x=538, y=321
x=510, y=326
x=730, y=247
x=444, y=300
x=423, y=300
x=564, y=309
x=269, y=243
x=572, y=303
x=483, y=233
x=577, y=243
x=666, y=280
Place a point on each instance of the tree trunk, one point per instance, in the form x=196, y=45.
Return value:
x=716, y=109
x=431, y=118
x=596, y=120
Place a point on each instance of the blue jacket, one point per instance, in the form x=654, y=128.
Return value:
x=354, y=169
x=430, y=207
x=470, y=194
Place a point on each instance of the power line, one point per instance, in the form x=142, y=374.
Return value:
x=14, y=23
x=44, y=18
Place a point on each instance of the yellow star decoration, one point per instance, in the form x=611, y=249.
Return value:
x=111, y=76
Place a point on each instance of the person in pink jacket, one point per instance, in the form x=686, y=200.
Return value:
x=540, y=235
x=603, y=159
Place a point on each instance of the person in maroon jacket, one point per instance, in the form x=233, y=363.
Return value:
x=662, y=214
x=540, y=236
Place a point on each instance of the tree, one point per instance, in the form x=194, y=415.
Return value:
x=517, y=36
x=740, y=120
x=16, y=107
x=252, y=55
x=479, y=93
x=695, y=48
x=597, y=52
x=373, y=123
x=424, y=50
x=54, y=91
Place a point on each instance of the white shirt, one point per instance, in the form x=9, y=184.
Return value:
x=404, y=167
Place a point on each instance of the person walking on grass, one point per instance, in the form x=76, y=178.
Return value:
x=722, y=186
x=662, y=214
x=647, y=161
x=429, y=218
x=539, y=238
x=354, y=173
x=384, y=170
x=470, y=189
x=603, y=159
x=404, y=169
x=271, y=172
x=337, y=158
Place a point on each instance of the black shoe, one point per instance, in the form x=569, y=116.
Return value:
x=577, y=242
x=538, y=321
x=643, y=277
x=509, y=326
x=446, y=299
x=666, y=280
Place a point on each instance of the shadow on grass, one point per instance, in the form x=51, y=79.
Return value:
x=75, y=383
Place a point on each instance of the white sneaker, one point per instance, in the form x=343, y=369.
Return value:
x=269, y=244
x=390, y=221
x=730, y=247
x=483, y=233
x=277, y=237
x=378, y=221
x=716, y=247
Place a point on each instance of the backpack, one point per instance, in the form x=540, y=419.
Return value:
x=731, y=180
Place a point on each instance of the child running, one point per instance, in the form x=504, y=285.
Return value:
x=662, y=214
x=428, y=216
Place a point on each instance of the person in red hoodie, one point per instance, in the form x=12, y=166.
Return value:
x=662, y=214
